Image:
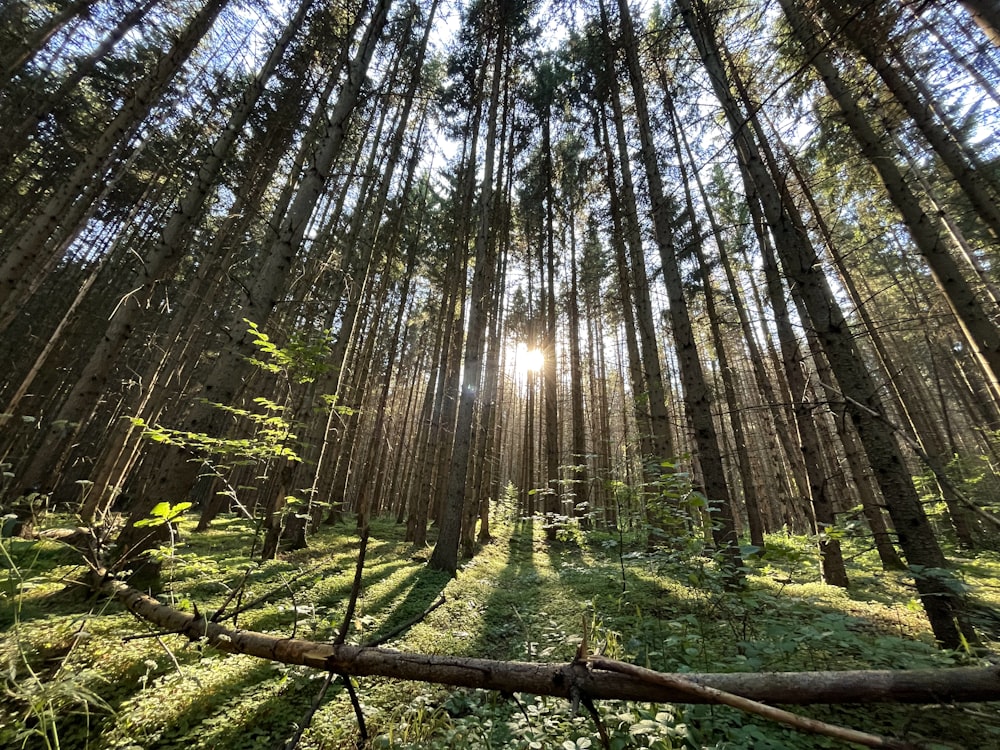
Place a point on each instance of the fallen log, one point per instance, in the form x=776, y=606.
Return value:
x=569, y=680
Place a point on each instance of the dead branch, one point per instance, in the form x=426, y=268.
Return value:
x=714, y=695
x=382, y=640
x=352, y=602
x=961, y=684
x=241, y=608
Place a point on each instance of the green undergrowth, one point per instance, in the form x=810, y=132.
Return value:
x=81, y=672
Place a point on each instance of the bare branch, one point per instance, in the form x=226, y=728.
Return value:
x=962, y=684
x=714, y=695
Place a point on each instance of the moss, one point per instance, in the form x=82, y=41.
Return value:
x=518, y=598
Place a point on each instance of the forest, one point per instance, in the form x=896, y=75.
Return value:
x=499, y=373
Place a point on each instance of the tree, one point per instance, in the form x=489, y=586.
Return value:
x=31, y=253
x=945, y=608
x=697, y=398
x=176, y=474
x=159, y=263
x=932, y=242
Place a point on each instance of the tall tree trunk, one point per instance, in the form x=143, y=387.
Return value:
x=946, y=609
x=697, y=397
x=987, y=17
x=980, y=331
x=159, y=263
x=176, y=474
x=445, y=555
x=31, y=251
x=553, y=494
x=578, y=475
x=751, y=500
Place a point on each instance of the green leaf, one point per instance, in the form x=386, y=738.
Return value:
x=178, y=509
x=160, y=510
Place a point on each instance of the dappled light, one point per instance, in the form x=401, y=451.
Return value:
x=388, y=373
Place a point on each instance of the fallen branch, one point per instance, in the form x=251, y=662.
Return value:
x=962, y=684
x=714, y=695
x=352, y=603
x=383, y=639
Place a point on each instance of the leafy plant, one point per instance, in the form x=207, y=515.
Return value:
x=164, y=513
x=270, y=440
x=520, y=597
x=303, y=359
x=41, y=702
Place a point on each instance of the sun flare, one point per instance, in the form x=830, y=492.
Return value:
x=529, y=360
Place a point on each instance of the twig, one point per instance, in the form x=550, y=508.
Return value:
x=352, y=603
x=293, y=741
x=406, y=625
x=362, y=729
x=158, y=634
x=261, y=599
x=517, y=702
x=598, y=722
x=233, y=593
x=932, y=464
x=713, y=695
x=173, y=658
x=582, y=655
x=295, y=609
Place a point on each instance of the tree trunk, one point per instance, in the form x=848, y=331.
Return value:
x=697, y=397
x=979, y=330
x=946, y=610
x=30, y=251
x=176, y=474
x=445, y=555
x=734, y=407
x=987, y=17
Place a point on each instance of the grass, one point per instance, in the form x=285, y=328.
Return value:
x=519, y=598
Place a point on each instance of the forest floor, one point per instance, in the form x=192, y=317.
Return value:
x=81, y=672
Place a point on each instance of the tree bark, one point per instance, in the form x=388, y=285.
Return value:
x=986, y=14
x=751, y=499
x=697, y=396
x=445, y=555
x=980, y=331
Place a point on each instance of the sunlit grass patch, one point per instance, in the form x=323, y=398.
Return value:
x=520, y=597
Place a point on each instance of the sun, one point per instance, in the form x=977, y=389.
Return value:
x=528, y=360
